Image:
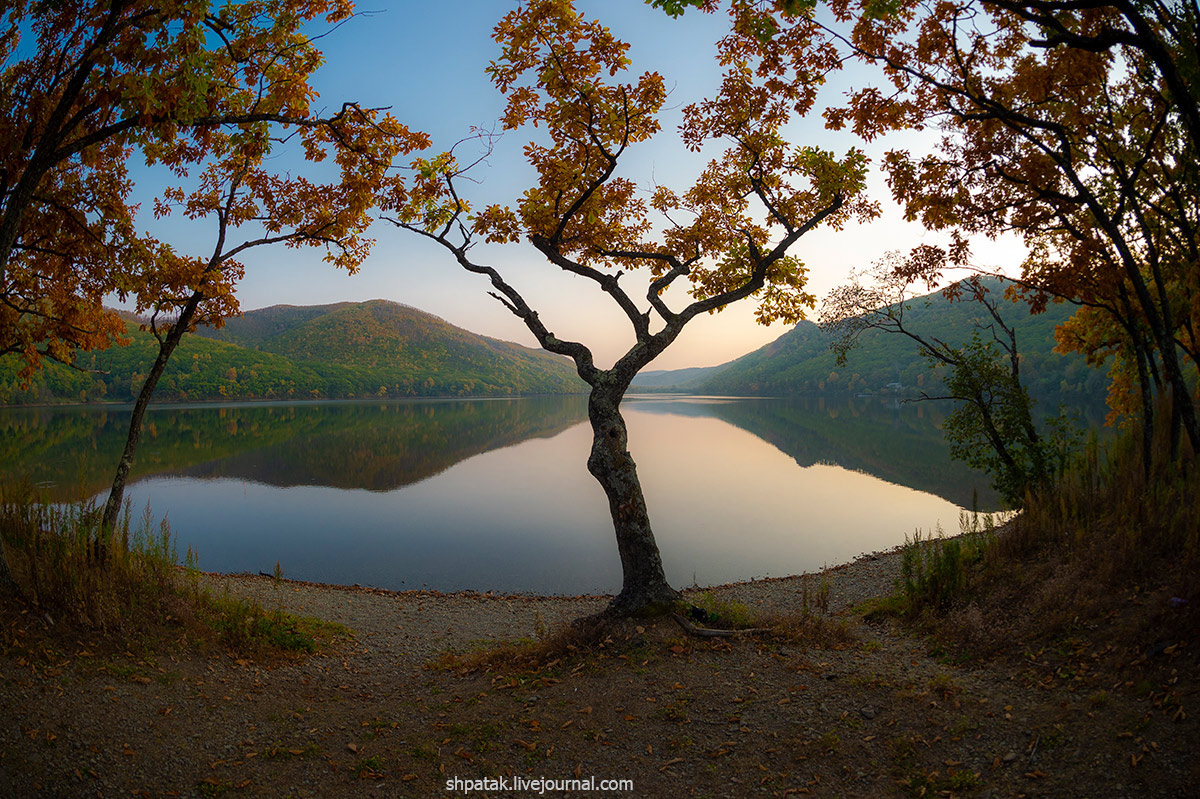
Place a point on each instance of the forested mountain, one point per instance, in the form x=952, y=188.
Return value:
x=346, y=350
x=801, y=362
x=674, y=379
x=380, y=348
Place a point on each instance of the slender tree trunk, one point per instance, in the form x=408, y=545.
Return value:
x=1162, y=330
x=1176, y=421
x=1144, y=387
x=8, y=584
x=116, y=494
x=644, y=586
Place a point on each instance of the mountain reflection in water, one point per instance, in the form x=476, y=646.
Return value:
x=494, y=494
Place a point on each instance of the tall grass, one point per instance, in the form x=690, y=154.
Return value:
x=66, y=569
x=1125, y=522
x=1111, y=527
x=66, y=573
x=935, y=570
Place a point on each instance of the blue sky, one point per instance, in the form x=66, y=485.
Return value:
x=426, y=61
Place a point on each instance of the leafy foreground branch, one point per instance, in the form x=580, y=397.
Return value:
x=140, y=594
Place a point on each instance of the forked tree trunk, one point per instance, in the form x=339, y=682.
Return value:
x=644, y=587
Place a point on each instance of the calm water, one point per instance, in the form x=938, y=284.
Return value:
x=495, y=494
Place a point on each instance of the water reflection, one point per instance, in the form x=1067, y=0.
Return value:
x=899, y=443
x=374, y=446
x=494, y=495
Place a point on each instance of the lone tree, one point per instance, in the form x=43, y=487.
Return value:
x=252, y=205
x=728, y=235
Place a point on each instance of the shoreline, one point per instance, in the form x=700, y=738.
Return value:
x=472, y=593
x=388, y=711
x=417, y=625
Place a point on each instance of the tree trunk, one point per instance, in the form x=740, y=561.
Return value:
x=644, y=588
x=1147, y=396
x=8, y=583
x=112, y=507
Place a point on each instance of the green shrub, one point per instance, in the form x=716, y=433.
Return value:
x=934, y=569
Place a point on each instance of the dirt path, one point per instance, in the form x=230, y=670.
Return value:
x=678, y=716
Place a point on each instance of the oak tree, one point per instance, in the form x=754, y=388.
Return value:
x=206, y=92
x=726, y=237
x=239, y=190
x=85, y=87
x=1072, y=125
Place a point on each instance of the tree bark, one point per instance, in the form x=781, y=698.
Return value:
x=8, y=583
x=112, y=507
x=644, y=587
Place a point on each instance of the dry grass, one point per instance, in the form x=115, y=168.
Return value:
x=813, y=630
x=533, y=655
x=63, y=569
x=1109, y=553
x=603, y=636
x=125, y=588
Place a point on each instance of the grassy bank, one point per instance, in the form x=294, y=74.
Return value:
x=1099, y=573
x=124, y=589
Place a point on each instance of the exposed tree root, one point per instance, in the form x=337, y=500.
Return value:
x=704, y=632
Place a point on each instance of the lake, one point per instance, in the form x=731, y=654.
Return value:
x=494, y=495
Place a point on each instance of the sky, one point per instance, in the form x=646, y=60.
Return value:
x=426, y=62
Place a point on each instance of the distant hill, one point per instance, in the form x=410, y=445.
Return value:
x=674, y=379
x=401, y=346
x=344, y=350
x=800, y=361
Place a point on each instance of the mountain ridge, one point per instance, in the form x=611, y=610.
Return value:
x=801, y=362
x=376, y=348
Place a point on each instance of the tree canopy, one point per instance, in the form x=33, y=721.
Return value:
x=205, y=92
x=1072, y=125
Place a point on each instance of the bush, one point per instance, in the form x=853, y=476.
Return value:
x=934, y=570
x=1110, y=550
